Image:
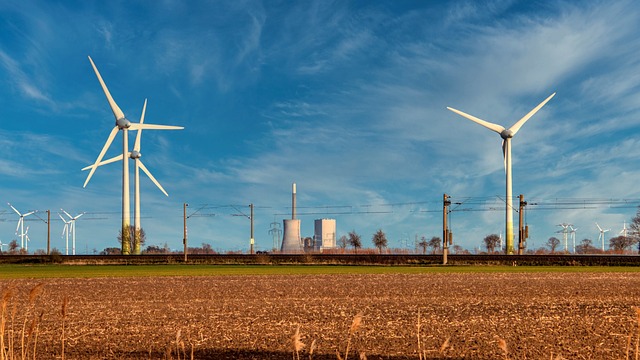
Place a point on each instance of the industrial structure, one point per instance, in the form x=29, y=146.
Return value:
x=324, y=234
x=291, y=242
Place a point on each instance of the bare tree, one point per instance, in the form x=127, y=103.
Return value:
x=142, y=236
x=435, y=244
x=586, y=247
x=553, y=243
x=355, y=240
x=343, y=242
x=424, y=244
x=621, y=243
x=379, y=240
x=634, y=228
x=491, y=241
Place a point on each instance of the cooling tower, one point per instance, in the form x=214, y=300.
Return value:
x=291, y=243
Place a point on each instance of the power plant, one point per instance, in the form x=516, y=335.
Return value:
x=324, y=234
x=291, y=242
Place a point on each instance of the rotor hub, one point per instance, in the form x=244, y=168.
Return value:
x=135, y=154
x=506, y=134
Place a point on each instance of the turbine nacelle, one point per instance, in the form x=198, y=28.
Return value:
x=135, y=154
x=123, y=123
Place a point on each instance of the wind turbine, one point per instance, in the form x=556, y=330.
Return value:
x=1, y=245
x=623, y=232
x=564, y=232
x=26, y=238
x=601, y=236
x=135, y=155
x=72, y=229
x=65, y=233
x=506, y=135
x=573, y=237
x=122, y=123
x=20, y=227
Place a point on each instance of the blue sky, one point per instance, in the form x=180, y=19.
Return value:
x=347, y=99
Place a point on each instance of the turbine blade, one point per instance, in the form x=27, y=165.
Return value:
x=491, y=126
x=146, y=171
x=135, y=126
x=114, y=107
x=14, y=209
x=516, y=127
x=104, y=162
x=66, y=213
x=77, y=216
x=136, y=146
x=18, y=226
x=61, y=218
x=112, y=135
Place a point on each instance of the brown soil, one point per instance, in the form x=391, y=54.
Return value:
x=537, y=316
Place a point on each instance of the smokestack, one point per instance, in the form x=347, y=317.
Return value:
x=293, y=202
x=291, y=243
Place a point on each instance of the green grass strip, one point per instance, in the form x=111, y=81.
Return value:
x=97, y=271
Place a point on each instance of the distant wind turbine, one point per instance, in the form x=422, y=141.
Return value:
x=65, y=233
x=136, y=155
x=23, y=244
x=602, y=235
x=122, y=123
x=573, y=237
x=72, y=229
x=506, y=135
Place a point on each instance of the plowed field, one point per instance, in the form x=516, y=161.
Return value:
x=471, y=316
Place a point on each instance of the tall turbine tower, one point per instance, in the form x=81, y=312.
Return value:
x=23, y=234
x=602, y=235
x=506, y=135
x=72, y=228
x=122, y=123
x=135, y=155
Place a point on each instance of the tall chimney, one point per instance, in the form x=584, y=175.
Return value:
x=293, y=202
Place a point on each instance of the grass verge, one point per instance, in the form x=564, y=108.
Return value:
x=97, y=271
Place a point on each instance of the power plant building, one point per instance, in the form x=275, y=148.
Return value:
x=325, y=234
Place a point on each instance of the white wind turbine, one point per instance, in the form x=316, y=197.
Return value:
x=72, y=229
x=122, y=123
x=573, y=237
x=136, y=155
x=1, y=245
x=506, y=135
x=565, y=232
x=623, y=232
x=601, y=236
x=65, y=233
x=20, y=227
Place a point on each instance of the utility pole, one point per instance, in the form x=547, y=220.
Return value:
x=251, y=218
x=523, y=231
x=445, y=229
x=184, y=238
x=48, y=231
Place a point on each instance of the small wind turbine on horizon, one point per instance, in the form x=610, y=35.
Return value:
x=122, y=123
x=565, y=232
x=573, y=237
x=65, y=233
x=623, y=232
x=20, y=227
x=506, y=135
x=602, y=235
x=135, y=155
x=71, y=227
